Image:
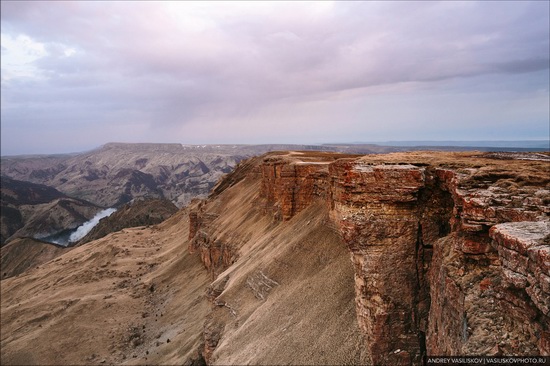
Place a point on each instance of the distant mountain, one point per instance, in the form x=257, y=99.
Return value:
x=36, y=210
x=116, y=173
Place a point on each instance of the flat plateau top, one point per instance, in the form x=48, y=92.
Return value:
x=519, y=168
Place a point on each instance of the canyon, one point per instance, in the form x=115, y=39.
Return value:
x=39, y=211
x=48, y=196
x=304, y=257
x=116, y=173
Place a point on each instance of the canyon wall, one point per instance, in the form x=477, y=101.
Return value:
x=375, y=211
x=450, y=251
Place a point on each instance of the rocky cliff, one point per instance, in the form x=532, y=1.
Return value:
x=305, y=258
x=450, y=250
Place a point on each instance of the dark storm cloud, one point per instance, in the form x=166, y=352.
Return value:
x=226, y=68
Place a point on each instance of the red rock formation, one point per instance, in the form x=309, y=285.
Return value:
x=216, y=253
x=524, y=250
x=472, y=309
x=447, y=261
x=290, y=186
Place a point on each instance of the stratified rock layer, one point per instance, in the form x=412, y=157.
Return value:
x=450, y=251
x=373, y=207
x=449, y=256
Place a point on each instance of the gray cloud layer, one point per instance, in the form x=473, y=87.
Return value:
x=227, y=72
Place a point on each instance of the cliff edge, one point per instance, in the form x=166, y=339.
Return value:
x=307, y=258
x=450, y=250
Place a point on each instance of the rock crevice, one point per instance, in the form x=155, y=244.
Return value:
x=448, y=260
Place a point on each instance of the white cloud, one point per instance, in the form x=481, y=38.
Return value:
x=18, y=54
x=183, y=66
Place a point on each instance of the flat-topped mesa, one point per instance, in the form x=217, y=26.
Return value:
x=142, y=145
x=438, y=268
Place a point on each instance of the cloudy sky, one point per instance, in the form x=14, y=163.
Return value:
x=76, y=75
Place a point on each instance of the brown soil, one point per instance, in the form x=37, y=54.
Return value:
x=138, y=295
x=135, y=296
x=24, y=253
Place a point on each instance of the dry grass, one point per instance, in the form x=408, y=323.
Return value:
x=95, y=302
x=289, y=297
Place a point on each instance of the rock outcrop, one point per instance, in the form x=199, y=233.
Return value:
x=305, y=258
x=375, y=211
x=450, y=250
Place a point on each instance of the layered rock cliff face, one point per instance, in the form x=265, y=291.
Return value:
x=450, y=251
x=427, y=273
x=306, y=258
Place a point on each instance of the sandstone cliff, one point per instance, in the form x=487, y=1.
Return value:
x=307, y=258
x=450, y=251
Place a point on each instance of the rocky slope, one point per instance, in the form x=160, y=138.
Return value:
x=449, y=256
x=24, y=253
x=36, y=210
x=132, y=297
